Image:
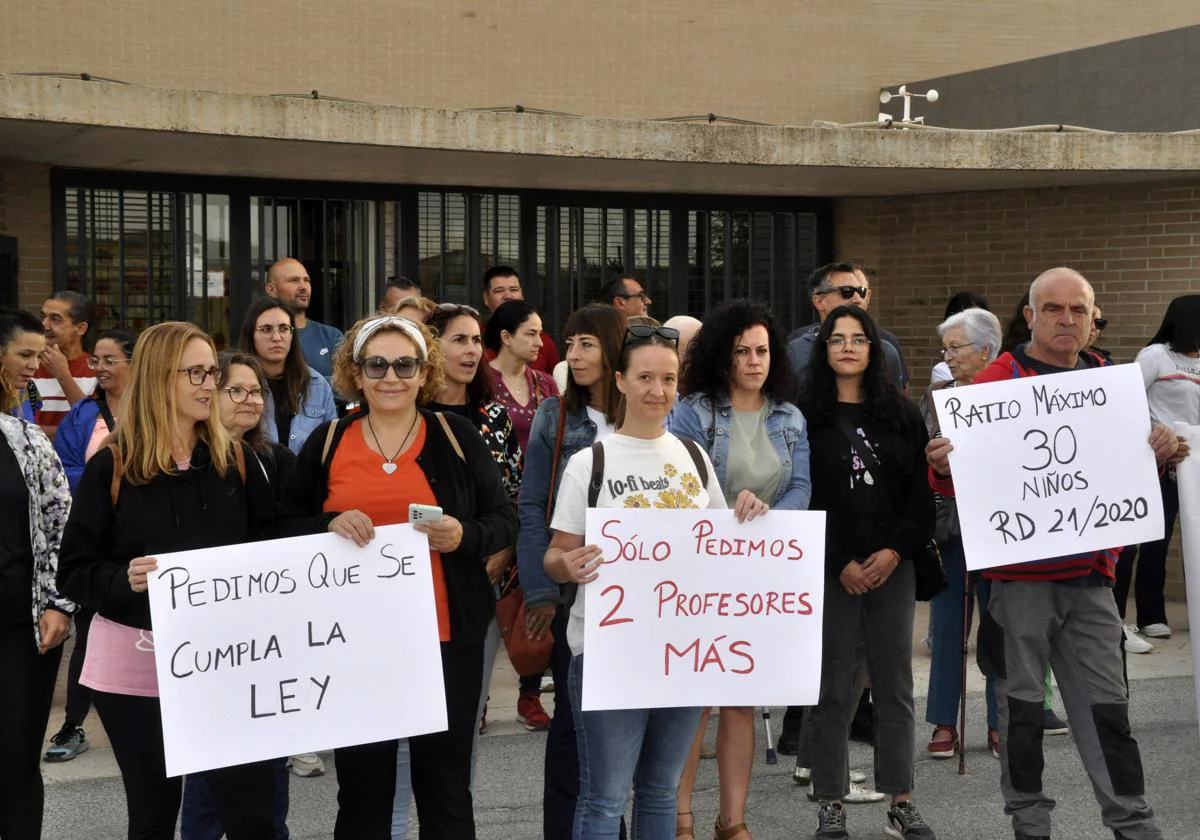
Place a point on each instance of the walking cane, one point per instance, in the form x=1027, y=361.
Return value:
x=962, y=700
x=772, y=758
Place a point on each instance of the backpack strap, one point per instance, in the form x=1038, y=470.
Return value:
x=558, y=445
x=239, y=455
x=450, y=434
x=118, y=473
x=110, y=422
x=597, y=481
x=329, y=435
x=693, y=449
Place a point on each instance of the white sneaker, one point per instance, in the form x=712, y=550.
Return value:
x=1134, y=643
x=306, y=765
x=1156, y=631
x=802, y=776
x=860, y=795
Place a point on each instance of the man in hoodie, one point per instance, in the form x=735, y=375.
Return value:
x=1060, y=610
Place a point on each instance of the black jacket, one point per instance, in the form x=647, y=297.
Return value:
x=193, y=509
x=475, y=497
x=903, y=517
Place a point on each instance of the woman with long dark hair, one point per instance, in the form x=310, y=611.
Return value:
x=1170, y=364
x=514, y=334
x=736, y=389
x=298, y=397
x=869, y=476
x=585, y=413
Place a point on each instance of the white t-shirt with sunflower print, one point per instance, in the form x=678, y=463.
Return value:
x=638, y=473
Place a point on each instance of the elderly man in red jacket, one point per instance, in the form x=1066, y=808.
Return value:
x=1060, y=610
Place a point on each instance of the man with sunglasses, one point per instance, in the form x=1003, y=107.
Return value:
x=1099, y=324
x=833, y=285
x=626, y=295
x=502, y=283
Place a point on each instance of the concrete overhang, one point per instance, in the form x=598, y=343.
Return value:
x=97, y=125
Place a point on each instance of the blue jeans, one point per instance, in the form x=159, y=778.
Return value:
x=198, y=818
x=946, y=631
x=643, y=749
x=402, y=805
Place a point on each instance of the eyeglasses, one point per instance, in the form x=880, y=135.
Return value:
x=240, y=395
x=858, y=342
x=105, y=362
x=376, y=367
x=644, y=297
x=196, y=375
x=1100, y=323
x=457, y=308
x=847, y=292
x=639, y=332
x=267, y=330
x=952, y=350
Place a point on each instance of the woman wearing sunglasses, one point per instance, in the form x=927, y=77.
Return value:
x=736, y=386
x=298, y=398
x=869, y=476
x=172, y=480
x=364, y=471
x=642, y=748
x=514, y=334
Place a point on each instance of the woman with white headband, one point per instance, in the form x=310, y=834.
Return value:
x=364, y=471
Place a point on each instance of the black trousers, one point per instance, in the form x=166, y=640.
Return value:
x=79, y=697
x=441, y=766
x=26, y=690
x=244, y=794
x=1151, y=564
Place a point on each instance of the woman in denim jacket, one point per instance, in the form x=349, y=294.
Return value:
x=298, y=397
x=736, y=385
x=594, y=335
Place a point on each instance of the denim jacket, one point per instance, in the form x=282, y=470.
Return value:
x=709, y=422
x=534, y=537
x=316, y=407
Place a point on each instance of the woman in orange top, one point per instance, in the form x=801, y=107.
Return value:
x=380, y=460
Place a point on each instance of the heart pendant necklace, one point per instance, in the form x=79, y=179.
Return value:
x=389, y=464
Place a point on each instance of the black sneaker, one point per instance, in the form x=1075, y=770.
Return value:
x=905, y=823
x=831, y=822
x=67, y=744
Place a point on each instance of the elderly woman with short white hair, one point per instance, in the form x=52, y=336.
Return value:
x=970, y=340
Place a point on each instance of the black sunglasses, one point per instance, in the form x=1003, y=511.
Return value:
x=1100, y=323
x=640, y=332
x=376, y=367
x=847, y=292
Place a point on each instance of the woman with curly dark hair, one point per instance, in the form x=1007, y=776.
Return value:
x=869, y=476
x=736, y=387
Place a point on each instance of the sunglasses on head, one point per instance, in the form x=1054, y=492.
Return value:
x=456, y=308
x=847, y=292
x=376, y=367
x=639, y=332
x=1100, y=323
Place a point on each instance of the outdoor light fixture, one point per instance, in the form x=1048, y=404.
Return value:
x=885, y=96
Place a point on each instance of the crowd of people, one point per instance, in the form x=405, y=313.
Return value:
x=154, y=443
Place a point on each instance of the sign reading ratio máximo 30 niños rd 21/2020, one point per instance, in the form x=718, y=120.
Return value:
x=1050, y=466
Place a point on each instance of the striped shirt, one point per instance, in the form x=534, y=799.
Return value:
x=54, y=402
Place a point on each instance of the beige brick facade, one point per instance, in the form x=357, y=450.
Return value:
x=25, y=214
x=775, y=61
x=1138, y=245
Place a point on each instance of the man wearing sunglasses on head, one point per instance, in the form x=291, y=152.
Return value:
x=833, y=285
x=626, y=295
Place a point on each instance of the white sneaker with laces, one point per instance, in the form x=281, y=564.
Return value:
x=860, y=795
x=1155, y=631
x=1134, y=643
x=802, y=776
x=307, y=765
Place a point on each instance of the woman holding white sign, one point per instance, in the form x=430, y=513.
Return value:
x=868, y=474
x=1170, y=365
x=736, y=406
x=367, y=469
x=172, y=480
x=643, y=749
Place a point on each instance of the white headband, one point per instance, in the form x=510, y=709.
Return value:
x=376, y=324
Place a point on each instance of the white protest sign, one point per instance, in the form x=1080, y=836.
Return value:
x=694, y=609
x=276, y=648
x=1188, y=475
x=1049, y=466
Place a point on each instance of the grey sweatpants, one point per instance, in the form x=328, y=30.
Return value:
x=1077, y=630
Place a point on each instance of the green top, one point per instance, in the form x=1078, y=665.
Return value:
x=753, y=464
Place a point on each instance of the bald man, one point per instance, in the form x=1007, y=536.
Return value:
x=688, y=327
x=288, y=281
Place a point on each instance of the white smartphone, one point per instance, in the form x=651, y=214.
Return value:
x=424, y=513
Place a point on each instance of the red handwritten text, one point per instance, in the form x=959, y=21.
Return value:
x=672, y=602
x=707, y=544
x=697, y=657
x=632, y=548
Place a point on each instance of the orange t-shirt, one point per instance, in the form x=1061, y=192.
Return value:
x=357, y=482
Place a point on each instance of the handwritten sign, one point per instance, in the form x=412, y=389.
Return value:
x=277, y=648
x=693, y=609
x=1048, y=466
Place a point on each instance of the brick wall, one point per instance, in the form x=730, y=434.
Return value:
x=25, y=214
x=1139, y=245
x=776, y=61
